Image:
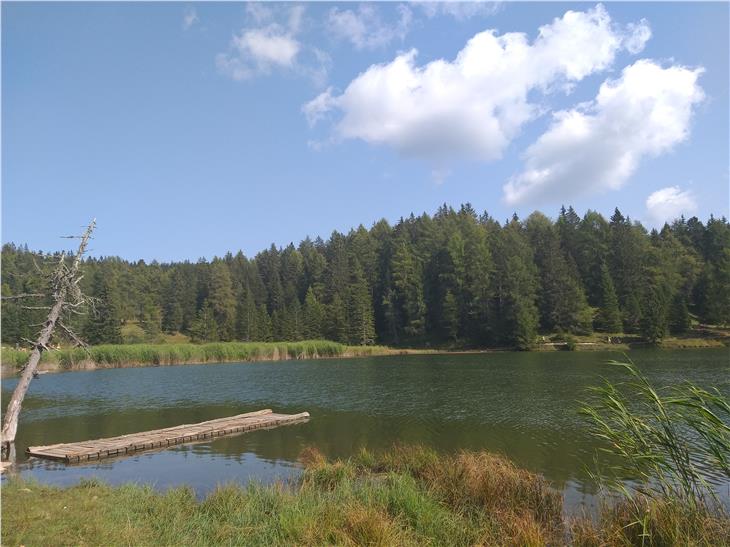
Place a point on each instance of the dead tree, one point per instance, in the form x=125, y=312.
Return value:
x=66, y=298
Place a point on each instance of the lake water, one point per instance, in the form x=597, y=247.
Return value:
x=524, y=405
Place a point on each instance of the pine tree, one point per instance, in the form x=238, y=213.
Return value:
x=608, y=318
x=104, y=325
x=265, y=329
x=313, y=316
x=653, y=322
x=515, y=313
x=337, y=325
x=450, y=317
x=222, y=300
x=151, y=320
x=408, y=285
x=679, y=320
x=360, y=308
x=204, y=328
x=561, y=300
x=246, y=317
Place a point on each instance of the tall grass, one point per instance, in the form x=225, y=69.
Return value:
x=406, y=496
x=410, y=496
x=168, y=354
x=663, y=440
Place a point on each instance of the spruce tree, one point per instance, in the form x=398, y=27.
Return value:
x=221, y=299
x=360, y=308
x=204, y=327
x=515, y=313
x=313, y=316
x=653, y=323
x=679, y=319
x=408, y=285
x=608, y=318
x=104, y=324
x=450, y=317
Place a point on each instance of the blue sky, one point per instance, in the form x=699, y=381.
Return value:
x=192, y=129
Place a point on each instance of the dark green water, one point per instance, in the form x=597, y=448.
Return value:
x=524, y=405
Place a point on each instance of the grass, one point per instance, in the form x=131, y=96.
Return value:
x=662, y=438
x=406, y=496
x=168, y=354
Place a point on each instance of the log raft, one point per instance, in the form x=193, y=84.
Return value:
x=160, y=438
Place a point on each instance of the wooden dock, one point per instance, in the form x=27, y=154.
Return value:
x=161, y=438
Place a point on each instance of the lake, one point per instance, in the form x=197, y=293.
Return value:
x=524, y=405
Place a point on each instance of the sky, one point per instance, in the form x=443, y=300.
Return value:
x=191, y=129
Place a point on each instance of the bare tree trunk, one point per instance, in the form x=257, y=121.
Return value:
x=64, y=280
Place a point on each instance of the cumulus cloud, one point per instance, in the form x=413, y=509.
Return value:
x=669, y=203
x=473, y=106
x=365, y=28
x=269, y=44
x=598, y=146
x=190, y=17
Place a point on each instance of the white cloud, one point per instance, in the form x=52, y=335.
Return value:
x=365, y=28
x=598, y=146
x=190, y=17
x=459, y=10
x=669, y=203
x=473, y=106
x=270, y=44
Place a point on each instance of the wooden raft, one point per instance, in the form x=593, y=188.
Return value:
x=160, y=438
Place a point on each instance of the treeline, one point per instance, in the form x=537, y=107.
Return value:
x=452, y=278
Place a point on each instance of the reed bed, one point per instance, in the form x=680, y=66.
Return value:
x=170, y=354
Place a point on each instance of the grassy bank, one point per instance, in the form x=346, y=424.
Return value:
x=186, y=353
x=170, y=353
x=408, y=496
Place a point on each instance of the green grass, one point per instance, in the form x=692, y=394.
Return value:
x=407, y=496
x=167, y=354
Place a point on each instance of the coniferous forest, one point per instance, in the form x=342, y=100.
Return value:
x=456, y=278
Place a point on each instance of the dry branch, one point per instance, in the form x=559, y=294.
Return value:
x=66, y=297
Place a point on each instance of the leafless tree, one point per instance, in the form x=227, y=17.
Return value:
x=66, y=298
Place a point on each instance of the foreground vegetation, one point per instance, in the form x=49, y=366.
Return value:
x=456, y=277
x=408, y=496
x=116, y=355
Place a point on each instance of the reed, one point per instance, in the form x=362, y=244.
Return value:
x=170, y=354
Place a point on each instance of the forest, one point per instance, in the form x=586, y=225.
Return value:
x=454, y=279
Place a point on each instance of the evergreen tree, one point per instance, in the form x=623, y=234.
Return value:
x=104, y=325
x=221, y=300
x=561, y=300
x=450, y=317
x=337, y=325
x=360, y=308
x=516, y=315
x=246, y=317
x=204, y=328
x=265, y=329
x=408, y=286
x=654, y=322
x=313, y=317
x=452, y=276
x=151, y=320
x=608, y=318
x=679, y=320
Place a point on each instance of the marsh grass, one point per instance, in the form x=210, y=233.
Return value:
x=663, y=440
x=170, y=354
x=405, y=496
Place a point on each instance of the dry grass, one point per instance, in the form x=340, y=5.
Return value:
x=406, y=496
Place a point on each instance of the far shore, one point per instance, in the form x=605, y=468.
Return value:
x=143, y=355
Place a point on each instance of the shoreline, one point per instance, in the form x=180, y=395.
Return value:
x=409, y=495
x=170, y=355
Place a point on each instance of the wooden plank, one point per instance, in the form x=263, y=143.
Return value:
x=159, y=438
